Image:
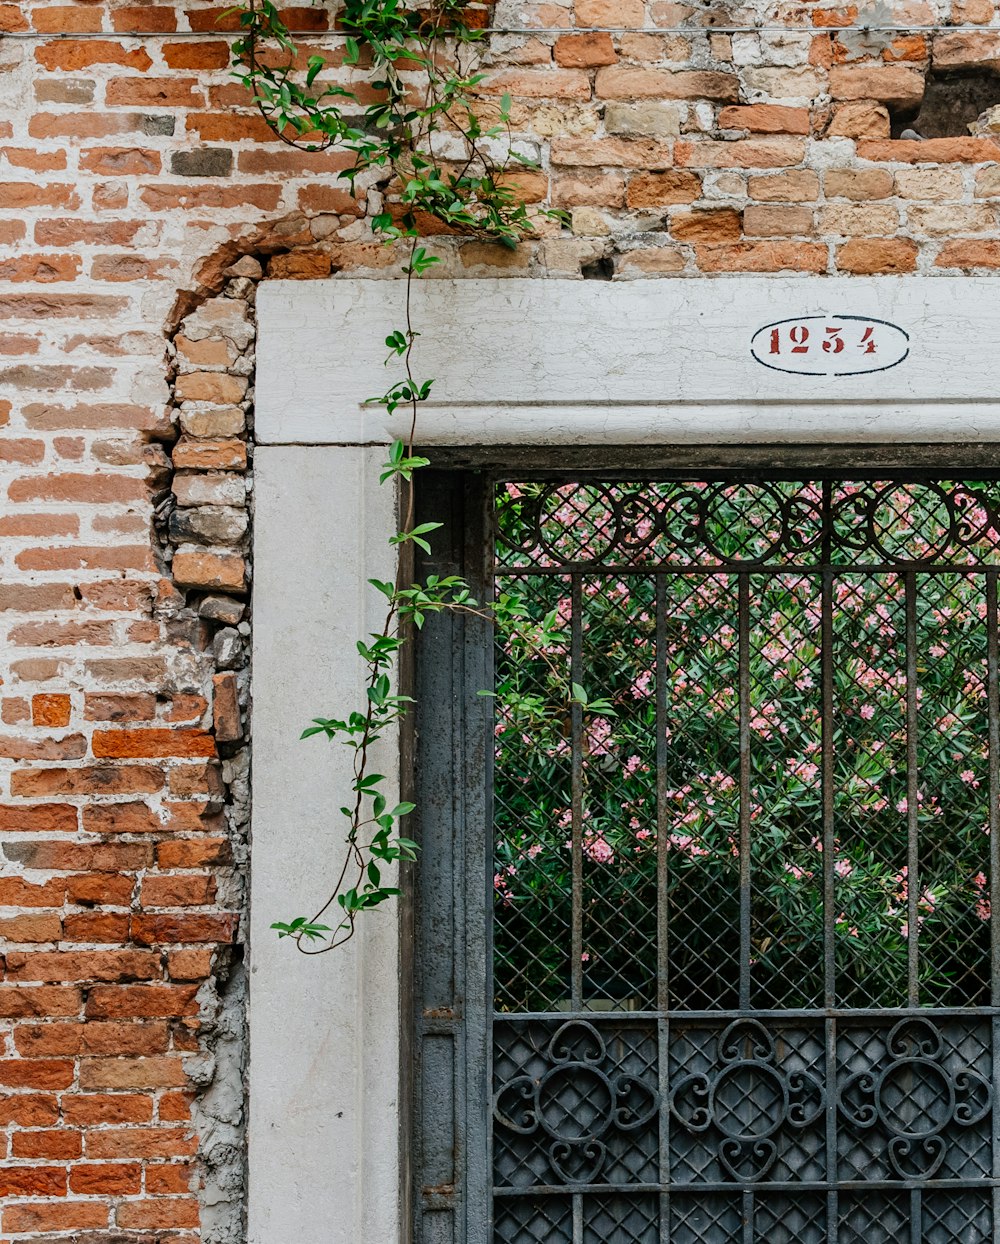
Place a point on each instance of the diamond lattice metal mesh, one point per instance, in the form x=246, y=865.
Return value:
x=745, y=793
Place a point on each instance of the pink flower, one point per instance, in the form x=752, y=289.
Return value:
x=597, y=848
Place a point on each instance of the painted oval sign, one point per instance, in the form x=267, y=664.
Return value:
x=830, y=345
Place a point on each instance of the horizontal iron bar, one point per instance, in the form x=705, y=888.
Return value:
x=778, y=1185
x=593, y=569
x=728, y=1017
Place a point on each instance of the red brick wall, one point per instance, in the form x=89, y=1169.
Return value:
x=134, y=178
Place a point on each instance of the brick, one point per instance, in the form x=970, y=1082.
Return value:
x=11, y=19
x=960, y=254
x=42, y=1073
x=166, y=1071
x=149, y=92
x=931, y=150
x=40, y=1001
x=28, y=1109
x=947, y=219
x=147, y=743
x=651, y=119
x=166, y=198
x=192, y=853
x=630, y=83
x=16, y=892
x=300, y=266
x=206, y=455
x=175, y=1107
x=200, y=569
x=93, y=927
x=765, y=119
x=175, y=1212
x=927, y=183
x=609, y=13
x=228, y=127
x=203, y=162
x=881, y=255
x=159, y=929
x=50, y=710
x=801, y=186
x=95, y=780
x=638, y=153
x=966, y=49
x=52, y=856
x=858, y=184
x=177, y=891
x=226, y=708
x=106, y=1179
x=540, y=84
x=177, y=1177
x=86, y=1109
x=99, y=889
x=119, y=707
x=584, y=51
x=70, y=55
x=781, y=220
x=37, y=161
x=861, y=119
x=762, y=257
x=31, y=928
x=718, y=225
x=141, y=1142
x=55, y=1144
x=38, y=818
x=120, y=161
x=196, y=55
x=663, y=189
x=189, y=965
x=53, y=1216
x=328, y=199
x=121, y=818
x=147, y=1001
x=900, y=86
x=15, y=195
x=82, y=965
x=31, y=1180
x=741, y=153
x=858, y=219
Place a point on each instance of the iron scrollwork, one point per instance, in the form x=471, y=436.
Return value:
x=749, y=1099
x=914, y=1097
x=575, y=1103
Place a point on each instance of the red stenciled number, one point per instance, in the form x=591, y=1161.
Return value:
x=867, y=342
x=775, y=341
x=800, y=337
x=833, y=343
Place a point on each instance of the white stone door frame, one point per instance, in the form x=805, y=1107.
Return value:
x=518, y=362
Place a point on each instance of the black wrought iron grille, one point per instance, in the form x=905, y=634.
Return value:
x=746, y=797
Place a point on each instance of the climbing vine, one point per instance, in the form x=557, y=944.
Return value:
x=420, y=150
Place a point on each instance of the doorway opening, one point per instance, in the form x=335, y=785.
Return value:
x=705, y=946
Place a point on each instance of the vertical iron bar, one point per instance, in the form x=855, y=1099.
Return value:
x=829, y=854
x=747, y=1210
x=916, y=1226
x=576, y=734
x=577, y=1218
x=662, y=910
x=993, y=709
x=662, y=813
x=743, y=624
x=993, y=734
x=827, y=776
x=912, y=792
